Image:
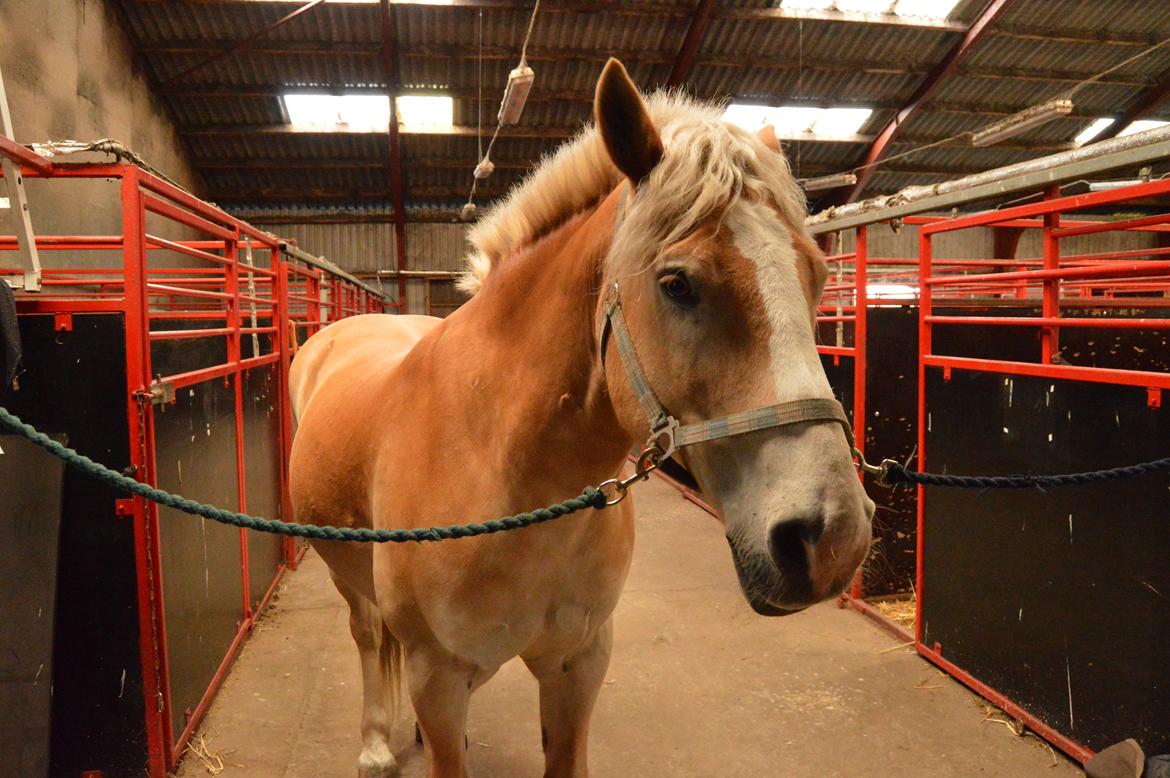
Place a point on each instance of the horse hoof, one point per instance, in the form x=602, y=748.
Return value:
x=377, y=762
x=386, y=772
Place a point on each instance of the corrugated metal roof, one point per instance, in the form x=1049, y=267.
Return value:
x=1035, y=50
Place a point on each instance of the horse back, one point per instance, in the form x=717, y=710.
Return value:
x=354, y=345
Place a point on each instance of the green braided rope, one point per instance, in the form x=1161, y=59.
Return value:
x=590, y=498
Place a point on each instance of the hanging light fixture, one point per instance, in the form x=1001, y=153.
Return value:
x=835, y=181
x=516, y=93
x=1022, y=121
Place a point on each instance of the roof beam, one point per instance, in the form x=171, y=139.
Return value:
x=221, y=163
x=928, y=87
x=1081, y=37
x=608, y=7
x=840, y=65
x=685, y=60
x=852, y=17
x=308, y=193
x=512, y=131
x=220, y=91
x=1141, y=106
x=228, y=91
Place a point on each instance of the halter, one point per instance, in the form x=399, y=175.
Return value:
x=668, y=434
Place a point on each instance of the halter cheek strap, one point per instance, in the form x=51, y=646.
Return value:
x=667, y=434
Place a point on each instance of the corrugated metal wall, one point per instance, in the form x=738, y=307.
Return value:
x=367, y=248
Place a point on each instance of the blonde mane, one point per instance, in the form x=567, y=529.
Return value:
x=707, y=163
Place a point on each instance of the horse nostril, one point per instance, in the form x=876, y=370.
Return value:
x=789, y=539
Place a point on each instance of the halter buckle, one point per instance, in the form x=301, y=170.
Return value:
x=663, y=437
x=648, y=461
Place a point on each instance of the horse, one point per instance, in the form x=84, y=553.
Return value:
x=663, y=231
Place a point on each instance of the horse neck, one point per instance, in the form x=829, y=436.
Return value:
x=533, y=328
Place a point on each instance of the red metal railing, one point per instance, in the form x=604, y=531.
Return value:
x=259, y=310
x=1093, y=288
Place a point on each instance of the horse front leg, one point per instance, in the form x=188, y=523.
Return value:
x=440, y=689
x=568, y=689
x=379, y=654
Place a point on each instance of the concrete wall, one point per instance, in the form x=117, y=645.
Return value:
x=69, y=72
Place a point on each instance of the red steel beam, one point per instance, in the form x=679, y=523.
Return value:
x=390, y=64
x=235, y=47
x=700, y=19
x=934, y=80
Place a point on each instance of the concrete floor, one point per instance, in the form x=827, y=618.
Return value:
x=698, y=686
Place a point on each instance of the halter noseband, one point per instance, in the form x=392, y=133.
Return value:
x=668, y=435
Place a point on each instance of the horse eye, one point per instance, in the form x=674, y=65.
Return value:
x=676, y=285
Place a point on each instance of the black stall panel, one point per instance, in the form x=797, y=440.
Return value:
x=891, y=407
x=262, y=461
x=74, y=387
x=195, y=441
x=1059, y=599
x=30, y=521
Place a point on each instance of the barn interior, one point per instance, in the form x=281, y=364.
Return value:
x=193, y=188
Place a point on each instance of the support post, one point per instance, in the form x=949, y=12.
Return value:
x=1050, y=305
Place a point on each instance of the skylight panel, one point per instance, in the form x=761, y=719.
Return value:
x=928, y=9
x=840, y=122
x=355, y=113
x=426, y=112
x=1141, y=125
x=923, y=9
x=749, y=117
x=368, y=112
x=1092, y=130
x=793, y=121
x=807, y=5
x=865, y=6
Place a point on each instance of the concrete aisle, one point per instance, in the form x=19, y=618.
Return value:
x=698, y=686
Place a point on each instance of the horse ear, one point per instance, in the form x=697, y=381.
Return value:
x=626, y=129
x=767, y=134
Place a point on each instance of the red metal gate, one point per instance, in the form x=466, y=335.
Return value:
x=213, y=313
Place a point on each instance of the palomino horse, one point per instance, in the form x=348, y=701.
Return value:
x=514, y=402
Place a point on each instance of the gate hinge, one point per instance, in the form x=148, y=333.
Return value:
x=159, y=393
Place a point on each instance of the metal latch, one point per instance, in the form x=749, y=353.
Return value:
x=159, y=393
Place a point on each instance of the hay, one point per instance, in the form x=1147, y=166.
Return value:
x=214, y=762
x=900, y=611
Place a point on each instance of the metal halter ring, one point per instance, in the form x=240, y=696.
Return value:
x=648, y=461
x=879, y=472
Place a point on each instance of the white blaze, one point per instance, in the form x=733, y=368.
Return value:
x=760, y=236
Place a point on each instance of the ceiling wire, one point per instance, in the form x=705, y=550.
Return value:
x=496, y=132
x=479, y=101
